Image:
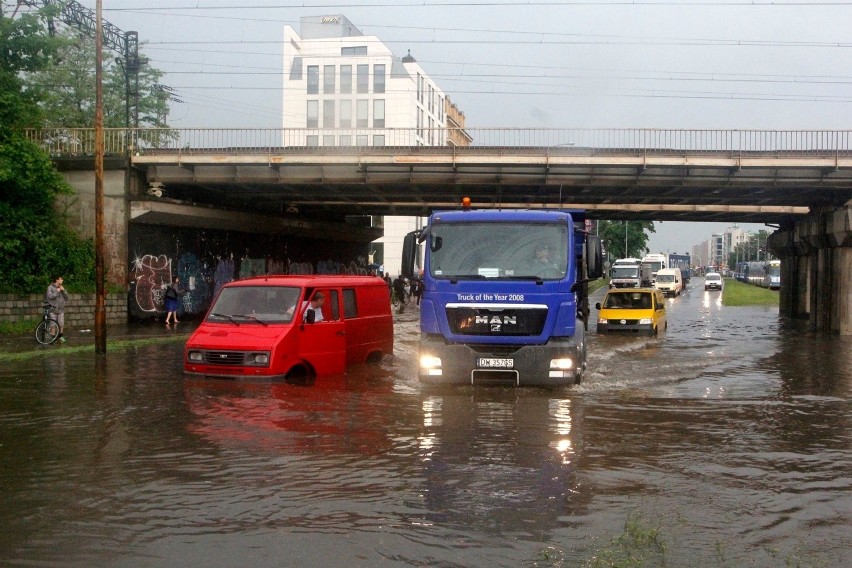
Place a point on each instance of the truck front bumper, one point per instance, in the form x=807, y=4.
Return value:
x=558, y=362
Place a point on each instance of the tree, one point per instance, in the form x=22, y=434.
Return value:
x=35, y=242
x=613, y=234
x=66, y=88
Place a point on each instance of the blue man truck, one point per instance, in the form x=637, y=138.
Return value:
x=505, y=296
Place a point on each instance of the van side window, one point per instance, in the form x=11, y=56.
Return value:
x=350, y=306
x=333, y=304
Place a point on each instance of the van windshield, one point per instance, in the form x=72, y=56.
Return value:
x=631, y=301
x=255, y=305
x=665, y=277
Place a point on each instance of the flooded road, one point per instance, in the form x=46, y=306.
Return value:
x=724, y=442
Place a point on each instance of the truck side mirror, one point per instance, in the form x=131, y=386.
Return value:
x=598, y=306
x=409, y=254
x=594, y=257
x=310, y=315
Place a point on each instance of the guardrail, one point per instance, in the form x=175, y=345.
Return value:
x=122, y=141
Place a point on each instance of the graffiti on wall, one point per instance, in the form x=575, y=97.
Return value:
x=150, y=276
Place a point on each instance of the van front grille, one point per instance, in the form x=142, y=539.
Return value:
x=224, y=357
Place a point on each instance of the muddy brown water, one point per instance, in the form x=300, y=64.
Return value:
x=724, y=442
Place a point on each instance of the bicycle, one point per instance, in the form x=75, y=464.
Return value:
x=47, y=330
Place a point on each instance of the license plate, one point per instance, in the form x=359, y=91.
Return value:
x=495, y=363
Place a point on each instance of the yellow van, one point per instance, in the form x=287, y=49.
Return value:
x=636, y=310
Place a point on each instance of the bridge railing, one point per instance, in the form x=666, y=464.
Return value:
x=121, y=141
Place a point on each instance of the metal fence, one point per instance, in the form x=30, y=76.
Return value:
x=121, y=141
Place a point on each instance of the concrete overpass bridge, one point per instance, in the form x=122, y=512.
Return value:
x=280, y=180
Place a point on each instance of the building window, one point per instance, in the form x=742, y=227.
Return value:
x=362, y=140
x=361, y=110
x=313, y=114
x=345, y=139
x=328, y=72
x=378, y=114
x=313, y=79
x=363, y=78
x=345, y=79
x=312, y=140
x=328, y=114
x=354, y=50
x=419, y=88
x=345, y=114
x=328, y=140
x=378, y=78
x=378, y=140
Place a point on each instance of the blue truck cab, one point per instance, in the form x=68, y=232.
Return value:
x=505, y=296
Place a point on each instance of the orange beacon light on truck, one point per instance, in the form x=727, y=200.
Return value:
x=465, y=203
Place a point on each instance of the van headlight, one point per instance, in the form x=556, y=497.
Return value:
x=603, y=320
x=195, y=356
x=257, y=359
x=431, y=365
x=645, y=321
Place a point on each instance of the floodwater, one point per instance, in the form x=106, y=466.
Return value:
x=724, y=442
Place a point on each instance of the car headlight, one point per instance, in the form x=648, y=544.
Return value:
x=645, y=321
x=195, y=356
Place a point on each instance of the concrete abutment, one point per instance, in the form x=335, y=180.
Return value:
x=816, y=270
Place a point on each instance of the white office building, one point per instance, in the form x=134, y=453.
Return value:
x=344, y=88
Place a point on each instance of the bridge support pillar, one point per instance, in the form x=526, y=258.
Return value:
x=816, y=269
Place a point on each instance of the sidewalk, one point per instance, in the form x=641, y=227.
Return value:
x=76, y=337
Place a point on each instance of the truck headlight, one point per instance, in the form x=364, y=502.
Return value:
x=431, y=365
x=645, y=321
x=195, y=356
x=560, y=368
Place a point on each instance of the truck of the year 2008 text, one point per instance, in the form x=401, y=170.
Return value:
x=505, y=296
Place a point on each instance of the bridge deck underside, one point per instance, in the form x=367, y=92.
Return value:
x=693, y=187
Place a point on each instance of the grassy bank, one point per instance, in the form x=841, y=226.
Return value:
x=740, y=294
x=116, y=345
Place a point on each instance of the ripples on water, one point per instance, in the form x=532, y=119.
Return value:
x=729, y=435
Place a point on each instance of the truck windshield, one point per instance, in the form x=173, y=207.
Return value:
x=255, y=305
x=625, y=272
x=498, y=250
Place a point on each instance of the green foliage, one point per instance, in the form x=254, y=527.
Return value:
x=35, y=242
x=66, y=88
x=24, y=47
x=613, y=233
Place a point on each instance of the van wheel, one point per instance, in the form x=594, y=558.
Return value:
x=300, y=375
x=374, y=357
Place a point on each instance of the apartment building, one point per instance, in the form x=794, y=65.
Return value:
x=344, y=88
x=349, y=89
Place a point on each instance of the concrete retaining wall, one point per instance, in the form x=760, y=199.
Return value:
x=79, y=311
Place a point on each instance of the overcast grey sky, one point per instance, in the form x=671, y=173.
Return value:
x=773, y=64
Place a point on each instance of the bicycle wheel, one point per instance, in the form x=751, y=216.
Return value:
x=47, y=331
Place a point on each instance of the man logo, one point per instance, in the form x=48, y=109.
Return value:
x=497, y=322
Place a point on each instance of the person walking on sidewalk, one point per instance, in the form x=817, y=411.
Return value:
x=57, y=297
x=173, y=292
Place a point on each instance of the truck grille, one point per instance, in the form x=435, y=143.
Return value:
x=224, y=357
x=499, y=322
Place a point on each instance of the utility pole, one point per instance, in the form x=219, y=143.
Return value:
x=100, y=301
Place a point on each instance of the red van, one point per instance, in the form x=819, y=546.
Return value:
x=292, y=327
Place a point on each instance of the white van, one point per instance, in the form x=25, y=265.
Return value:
x=669, y=281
